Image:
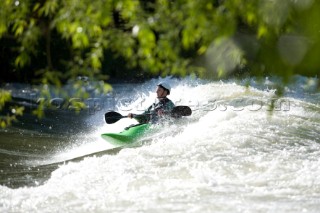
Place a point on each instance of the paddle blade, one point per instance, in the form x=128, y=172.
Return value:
x=112, y=117
x=179, y=111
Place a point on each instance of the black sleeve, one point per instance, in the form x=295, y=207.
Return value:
x=145, y=116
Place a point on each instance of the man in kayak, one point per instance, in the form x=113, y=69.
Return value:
x=160, y=108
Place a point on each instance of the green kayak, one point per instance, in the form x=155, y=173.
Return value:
x=131, y=134
x=127, y=136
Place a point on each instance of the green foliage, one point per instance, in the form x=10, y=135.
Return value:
x=4, y=97
x=11, y=116
x=160, y=35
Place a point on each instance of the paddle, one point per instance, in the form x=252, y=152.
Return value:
x=178, y=111
x=112, y=117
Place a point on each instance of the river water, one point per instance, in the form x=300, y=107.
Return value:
x=231, y=155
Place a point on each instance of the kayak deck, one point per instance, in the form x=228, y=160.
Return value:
x=127, y=136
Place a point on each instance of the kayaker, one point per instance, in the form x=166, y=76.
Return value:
x=160, y=108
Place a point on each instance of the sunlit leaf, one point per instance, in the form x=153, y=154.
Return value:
x=202, y=50
x=5, y=96
x=22, y=59
x=262, y=31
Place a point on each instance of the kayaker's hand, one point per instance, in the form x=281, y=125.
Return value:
x=130, y=115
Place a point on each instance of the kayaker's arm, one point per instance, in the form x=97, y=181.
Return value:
x=162, y=110
x=178, y=111
x=143, y=118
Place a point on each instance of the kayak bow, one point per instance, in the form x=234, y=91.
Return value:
x=127, y=136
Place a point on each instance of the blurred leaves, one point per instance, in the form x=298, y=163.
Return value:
x=4, y=97
x=13, y=112
x=156, y=35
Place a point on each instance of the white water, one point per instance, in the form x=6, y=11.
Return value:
x=229, y=156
